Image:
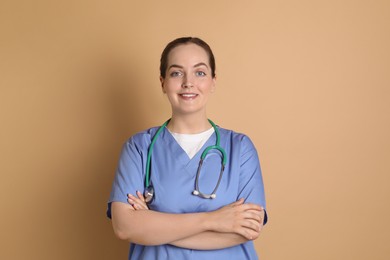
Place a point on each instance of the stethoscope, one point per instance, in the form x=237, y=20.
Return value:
x=149, y=190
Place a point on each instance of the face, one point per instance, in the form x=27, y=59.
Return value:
x=188, y=80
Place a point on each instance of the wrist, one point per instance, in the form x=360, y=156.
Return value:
x=208, y=222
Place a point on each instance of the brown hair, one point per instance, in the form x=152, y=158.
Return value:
x=181, y=41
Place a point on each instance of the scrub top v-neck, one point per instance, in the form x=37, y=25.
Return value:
x=173, y=176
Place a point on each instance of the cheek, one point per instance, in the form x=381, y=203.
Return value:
x=172, y=84
x=207, y=86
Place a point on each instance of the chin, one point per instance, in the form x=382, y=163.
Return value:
x=189, y=111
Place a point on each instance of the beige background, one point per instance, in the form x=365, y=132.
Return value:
x=308, y=81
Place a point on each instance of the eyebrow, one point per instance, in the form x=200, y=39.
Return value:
x=195, y=66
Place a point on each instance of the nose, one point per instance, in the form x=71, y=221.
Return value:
x=187, y=82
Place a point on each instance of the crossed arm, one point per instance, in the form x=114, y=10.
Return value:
x=230, y=225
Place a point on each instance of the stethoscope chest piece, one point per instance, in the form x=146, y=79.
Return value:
x=149, y=194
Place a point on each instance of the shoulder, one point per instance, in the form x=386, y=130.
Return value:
x=142, y=139
x=146, y=134
x=237, y=139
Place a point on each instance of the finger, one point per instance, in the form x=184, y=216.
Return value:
x=252, y=225
x=248, y=233
x=255, y=211
x=135, y=201
x=251, y=206
x=238, y=202
x=130, y=199
x=255, y=215
x=140, y=195
x=133, y=205
x=141, y=204
x=137, y=206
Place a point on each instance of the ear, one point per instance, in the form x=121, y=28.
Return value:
x=213, y=87
x=162, y=84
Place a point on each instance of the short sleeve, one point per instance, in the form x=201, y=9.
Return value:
x=251, y=186
x=128, y=176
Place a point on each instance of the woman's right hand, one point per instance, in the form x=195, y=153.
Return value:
x=237, y=217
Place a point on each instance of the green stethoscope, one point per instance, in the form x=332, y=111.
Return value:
x=149, y=190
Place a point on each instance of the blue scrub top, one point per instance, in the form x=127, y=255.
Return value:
x=173, y=177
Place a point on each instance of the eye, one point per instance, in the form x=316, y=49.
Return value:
x=200, y=73
x=175, y=74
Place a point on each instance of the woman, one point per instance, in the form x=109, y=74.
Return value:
x=211, y=213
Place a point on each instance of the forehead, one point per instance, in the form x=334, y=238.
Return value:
x=188, y=54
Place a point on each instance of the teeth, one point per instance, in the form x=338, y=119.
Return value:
x=188, y=95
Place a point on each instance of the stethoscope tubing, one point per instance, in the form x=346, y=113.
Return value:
x=149, y=190
x=150, y=150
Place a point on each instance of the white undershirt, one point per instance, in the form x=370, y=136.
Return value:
x=192, y=143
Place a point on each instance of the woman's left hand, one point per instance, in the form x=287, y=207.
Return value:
x=137, y=203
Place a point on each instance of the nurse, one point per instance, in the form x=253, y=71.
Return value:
x=178, y=223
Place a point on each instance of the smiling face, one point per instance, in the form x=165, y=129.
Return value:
x=188, y=80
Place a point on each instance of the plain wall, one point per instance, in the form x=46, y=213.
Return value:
x=308, y=81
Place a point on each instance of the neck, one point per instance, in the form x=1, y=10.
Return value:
x=188, y=124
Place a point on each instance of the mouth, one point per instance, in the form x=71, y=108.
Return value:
x=188, y=96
